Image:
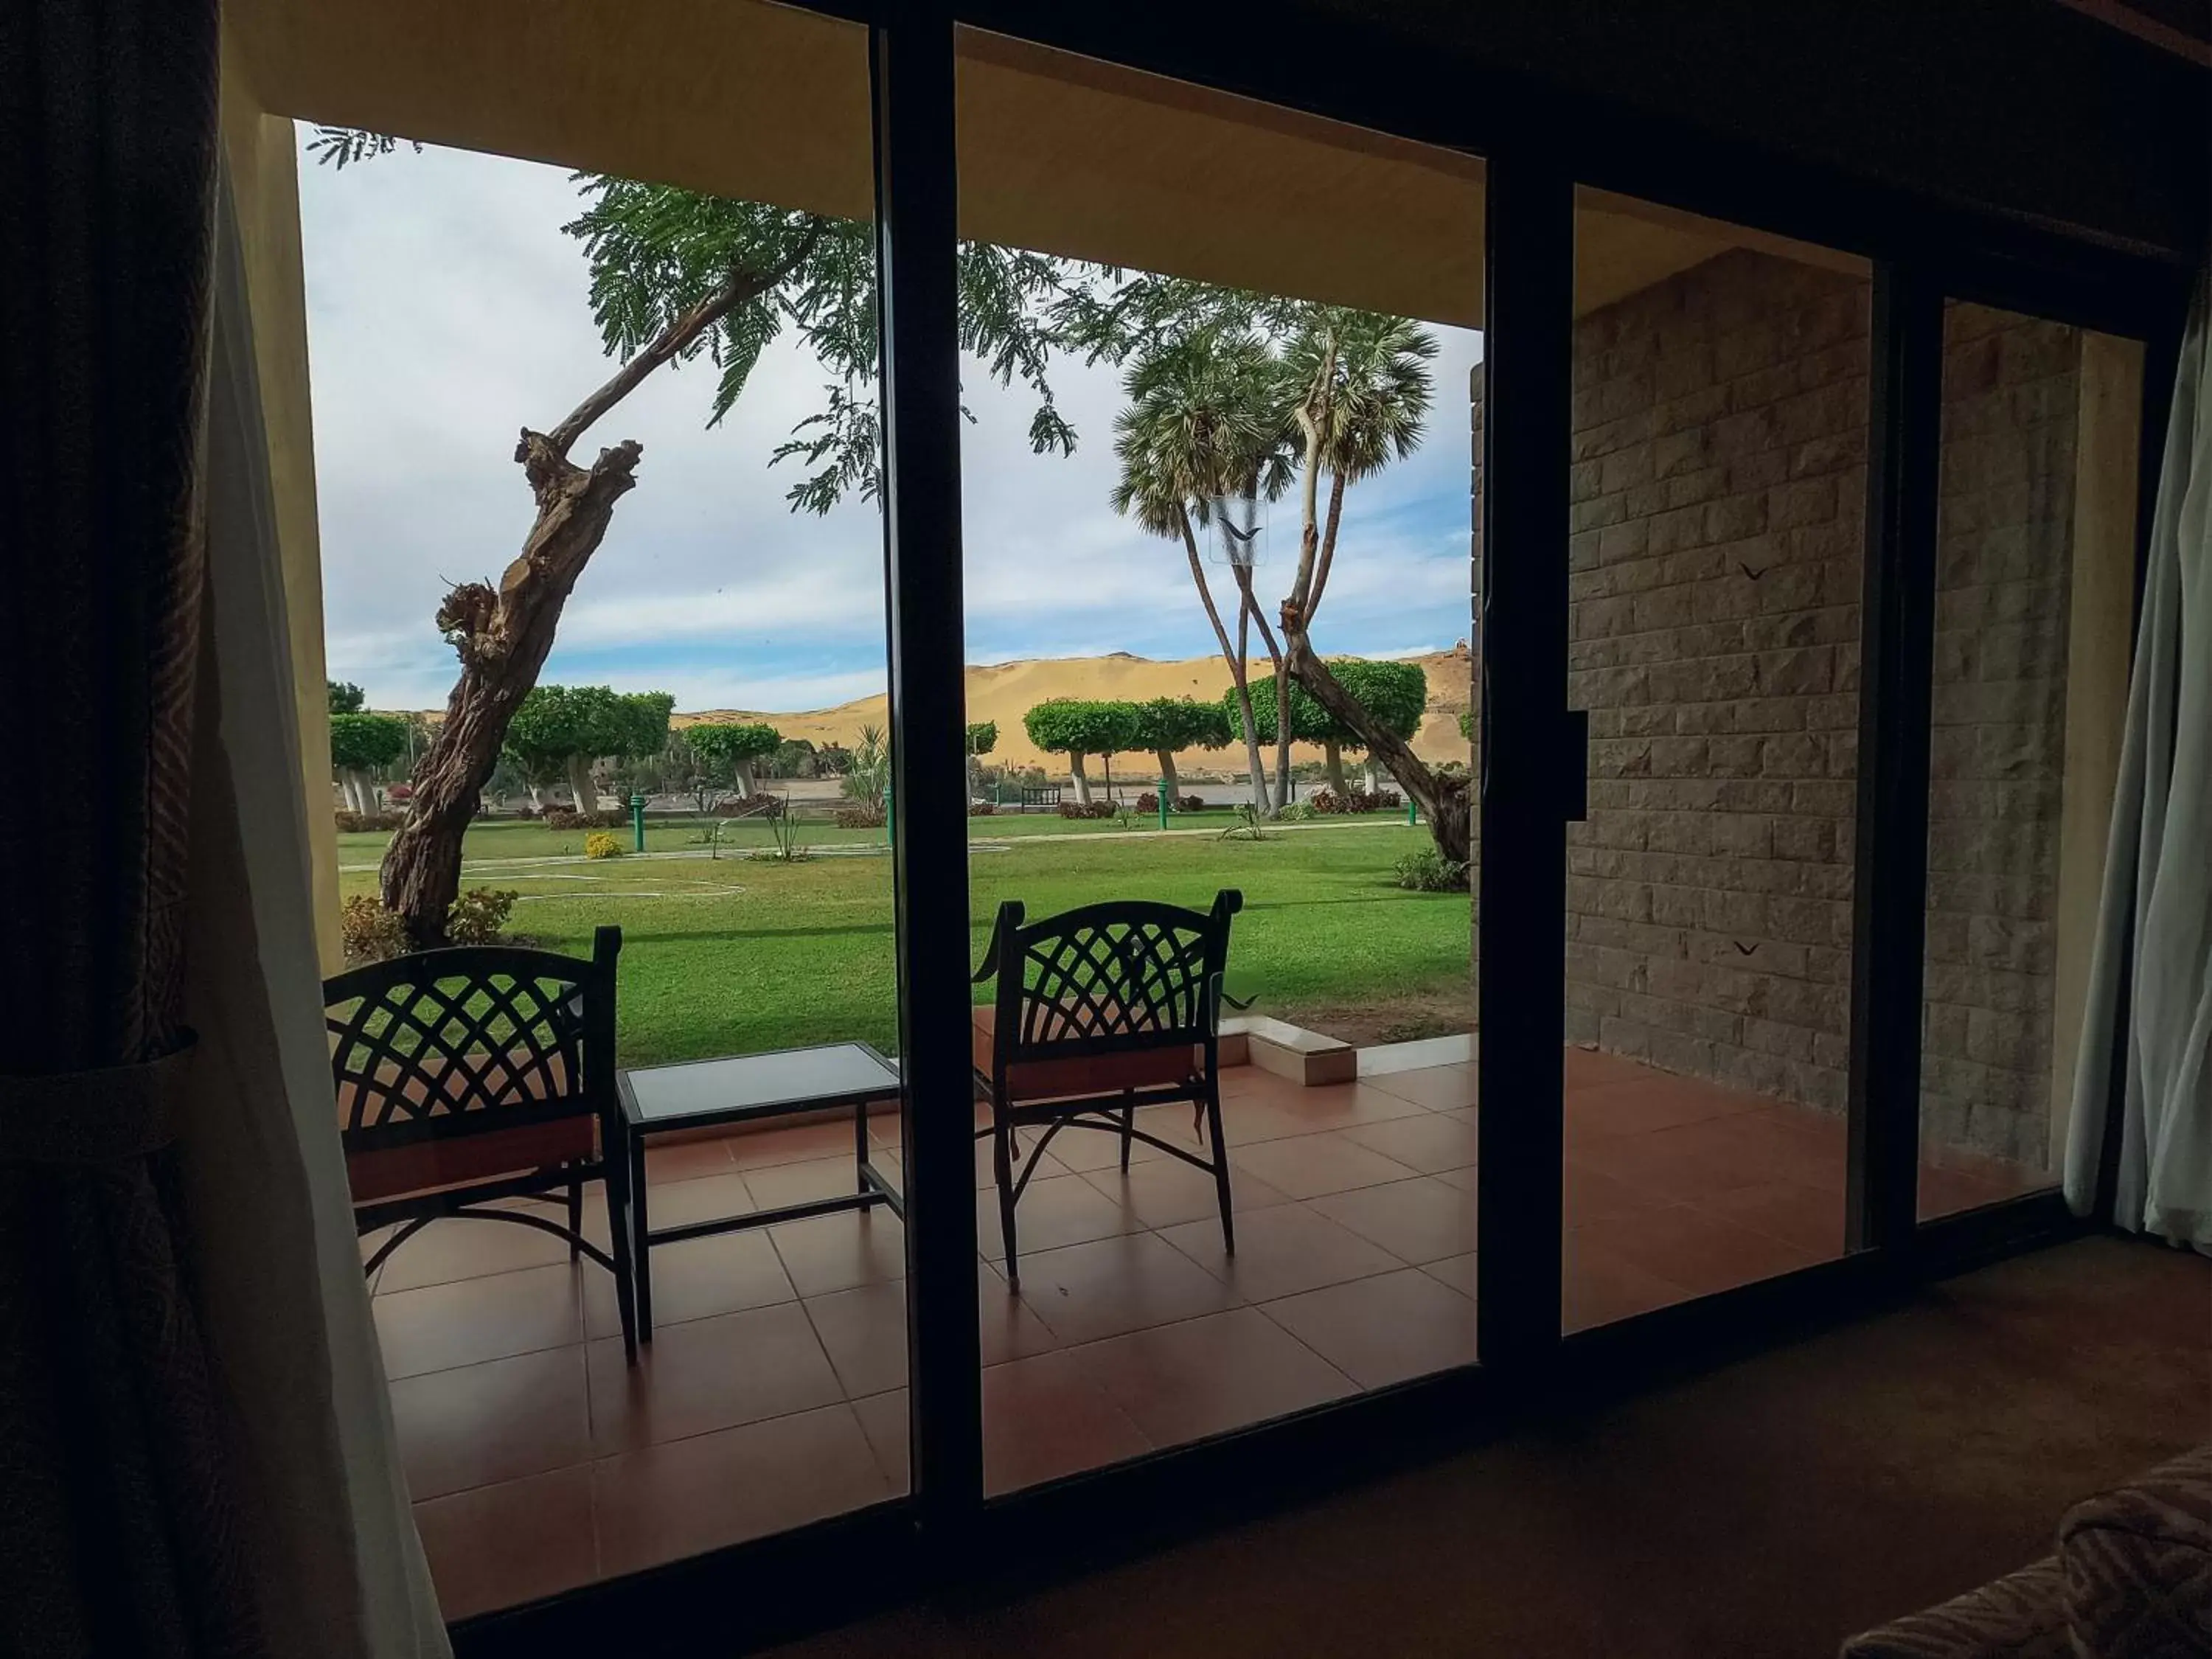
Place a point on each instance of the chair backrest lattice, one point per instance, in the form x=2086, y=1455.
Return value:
x=475, y=1038
x=1116, y=976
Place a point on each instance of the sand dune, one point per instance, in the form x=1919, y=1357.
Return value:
x=1004, y=691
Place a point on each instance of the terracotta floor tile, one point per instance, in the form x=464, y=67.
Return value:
x=1439, y=1088
x=1080, y=1149
x=864, y=1332
x=1181, y=1381
x=779, y=1184
x=679, y=1203
x=1657, y=1100
x=1430, y=1143
x=498, y=1546
x=1811, y=1218
x=465, y=1248
x=1382, y=1330
x=1086, y=1291
x=1417, y=1221
x=1044, y=1417
x=1695, y=1250
x=670, y=1161
x=836, y=1252
x=1279, y=1251
x=667, y=1502
x=708, y=1374
x=1599, y=1285
x=800, y=1143
x=885, y=1420
x=468, y=1320
x=1693, y=1161
x=1053, y=1210
x=1586, y=1194
x=1312, y=1164
x=1167, y=1191
x=475, y=1425
x=1007, y=1329
x=1456, y=1271
x=696, y=1278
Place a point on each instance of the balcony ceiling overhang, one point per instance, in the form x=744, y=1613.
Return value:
x=1059, y=153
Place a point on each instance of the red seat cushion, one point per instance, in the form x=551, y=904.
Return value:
x=1083, y=1074
x=465, y=1158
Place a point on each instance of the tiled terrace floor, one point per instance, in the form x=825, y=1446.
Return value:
x=773, y=1393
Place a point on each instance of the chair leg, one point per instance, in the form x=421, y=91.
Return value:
x=1128, y=1124
x=1220, y=1170
x=575, y=1217
x=617, y=1188
x=1002, y=1172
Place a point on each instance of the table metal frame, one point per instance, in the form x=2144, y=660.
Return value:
x=870, y=1188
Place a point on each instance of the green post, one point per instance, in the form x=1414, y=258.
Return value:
x=1413, y=812
x=1164, y=803
x=637, y=819
x=890, y=816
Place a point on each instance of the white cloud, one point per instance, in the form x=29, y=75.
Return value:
x=446, y=310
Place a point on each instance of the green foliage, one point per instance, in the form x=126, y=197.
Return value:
x=479, y=914
x=369, y=933
x=1467, y=724
x=1208, y=416
x=1082, y=725
x=1296, y=811
x=602, y=844
x=868, y=773
x=556, y=722
x=982, y=737
x=1249, y=825
x=722, y=749
x=1175, y=723
x=346, y=697
x=785, y=848
x=1394, y=693
x=1428, y=870
x=793, y=757
x=363, y=742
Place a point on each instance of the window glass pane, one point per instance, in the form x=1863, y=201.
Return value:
x=2034, y=592
x=715, y=658
x=1720, y=436
x=1114, y=595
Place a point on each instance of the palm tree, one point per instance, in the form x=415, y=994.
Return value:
x=1206, y=423
x=1363, y=391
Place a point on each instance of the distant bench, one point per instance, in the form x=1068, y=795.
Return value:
x=1040, y=796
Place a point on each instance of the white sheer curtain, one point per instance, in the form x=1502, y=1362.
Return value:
x=2158, y=869
x=333, y=1539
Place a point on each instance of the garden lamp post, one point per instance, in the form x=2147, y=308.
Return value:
x=637, y=819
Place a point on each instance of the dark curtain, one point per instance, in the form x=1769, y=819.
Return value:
x=117, y=1531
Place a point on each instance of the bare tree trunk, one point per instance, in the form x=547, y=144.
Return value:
x=1445, y=800
x=1333, y=758
x=502, y=635
x=1082, y=780
x=580, y=786
x=1170, y=785
x=1251, y=608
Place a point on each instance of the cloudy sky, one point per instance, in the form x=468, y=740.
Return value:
x=446, y=310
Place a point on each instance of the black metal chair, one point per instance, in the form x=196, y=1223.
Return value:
x=481, y=1074
x=1100, y=1011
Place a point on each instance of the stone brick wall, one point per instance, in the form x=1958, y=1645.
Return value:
x=1720, y=425
x=1996, y=759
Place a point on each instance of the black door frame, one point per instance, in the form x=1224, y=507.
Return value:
x=1539, y=145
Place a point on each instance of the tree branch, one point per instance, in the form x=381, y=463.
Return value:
x=1328, y=547
x=742, y=288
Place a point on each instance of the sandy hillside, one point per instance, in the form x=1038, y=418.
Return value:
x=1004, y=691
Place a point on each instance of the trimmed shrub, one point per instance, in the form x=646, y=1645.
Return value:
x=859, y=818
x=1429, y=871
x=1079, y=809
x=981, y=809
x=369, y=931
x=1327, y=801
x=602, y=844
x=563, y=818
x=1190, y=803
x=1296, y=811
x=354, y=823
x=750, y=806
x=478, y=916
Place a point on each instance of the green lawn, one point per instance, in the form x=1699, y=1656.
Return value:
x=725, y=956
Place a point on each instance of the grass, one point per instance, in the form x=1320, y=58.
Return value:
x=728, y=956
